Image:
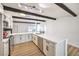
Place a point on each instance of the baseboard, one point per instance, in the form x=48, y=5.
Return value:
x=74, y=45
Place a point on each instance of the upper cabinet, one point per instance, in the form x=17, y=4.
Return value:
x=8, y=21
x=1, y=8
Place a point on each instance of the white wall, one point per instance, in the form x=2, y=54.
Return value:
x=67, y=27
x=1, y=44
x=1, y=36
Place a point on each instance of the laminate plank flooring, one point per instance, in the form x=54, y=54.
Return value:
x=73, y=51
x=26, y=49
x=30, y=49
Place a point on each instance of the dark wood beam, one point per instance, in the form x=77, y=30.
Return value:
x=25, y=22
x=66, y=9
x=28, y=18
x=26, y=12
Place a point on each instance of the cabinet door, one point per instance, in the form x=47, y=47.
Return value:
x=51, y=49
x=15, y=28
x=44, y=47
x=6, y=49
x=17, y=39
x=48, y=48
x=23, y=38
x=29, y=37
x=35, y=40
x=40, y=43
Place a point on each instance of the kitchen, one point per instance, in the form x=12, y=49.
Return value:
x=34, y=31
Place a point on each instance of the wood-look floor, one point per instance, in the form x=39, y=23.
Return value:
x=30, y=49
x=26, y=49
x=73, y=51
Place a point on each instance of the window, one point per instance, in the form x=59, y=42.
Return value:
x=25, y=27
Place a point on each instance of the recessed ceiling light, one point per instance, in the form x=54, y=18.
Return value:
x=40, y=11
x=43, y=5
x=19, y=5
x=22, y=14
x=26, y=7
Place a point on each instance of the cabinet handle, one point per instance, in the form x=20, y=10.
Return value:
x=47, y=48
x=20, y=37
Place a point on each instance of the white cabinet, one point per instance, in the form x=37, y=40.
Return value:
x=8, y=18
x=51, y=48
x=35, y=40
x=48, y=48
x=40, y=43
x=19, y=39
x=29, y=37
x=22, y=38
x=54, y=49
x=21, y=28
x=6, y=47
x=16, y=39
x=1, y=8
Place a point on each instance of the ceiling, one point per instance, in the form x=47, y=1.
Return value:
x=52, y=10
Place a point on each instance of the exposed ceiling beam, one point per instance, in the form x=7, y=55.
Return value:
x=28, y=18
x=61, y=5
x=25, y=22
x=26, y=12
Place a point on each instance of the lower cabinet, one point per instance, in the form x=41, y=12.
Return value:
x=29, y=37
x=16, y=39
x=35, y=40
x=22, y=38
x=48, y=48
x=6, y=47
x=40, y=43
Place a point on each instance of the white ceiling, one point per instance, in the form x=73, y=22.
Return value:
x=52, y=11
